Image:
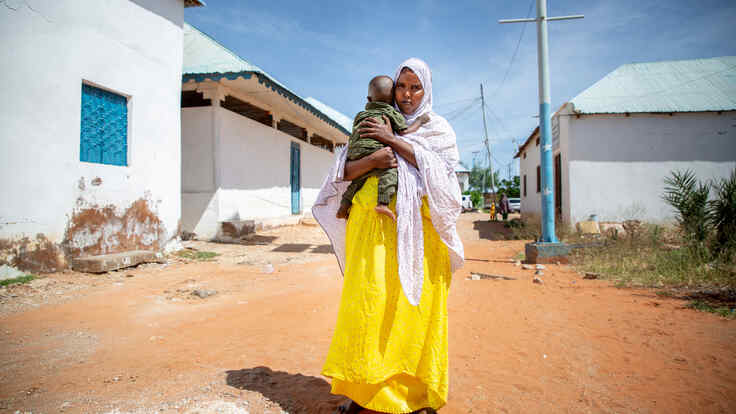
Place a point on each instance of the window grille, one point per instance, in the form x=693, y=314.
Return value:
x=104, y=129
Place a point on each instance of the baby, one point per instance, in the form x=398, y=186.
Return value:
x=380, y=102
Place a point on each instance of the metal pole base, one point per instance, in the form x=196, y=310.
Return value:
x=538, y=253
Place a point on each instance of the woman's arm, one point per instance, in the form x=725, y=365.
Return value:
x=371, y=128
x=383, y=158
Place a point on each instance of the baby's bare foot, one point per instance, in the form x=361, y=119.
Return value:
x=383, y=209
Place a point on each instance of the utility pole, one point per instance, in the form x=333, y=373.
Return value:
x=545, y=148
x=488, y=147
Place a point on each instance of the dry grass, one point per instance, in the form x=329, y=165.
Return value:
x=657, y=257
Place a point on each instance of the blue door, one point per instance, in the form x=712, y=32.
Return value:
x=296, y=179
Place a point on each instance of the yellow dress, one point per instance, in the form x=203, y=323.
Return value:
x=386, y=354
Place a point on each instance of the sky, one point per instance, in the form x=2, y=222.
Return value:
x=329, y=50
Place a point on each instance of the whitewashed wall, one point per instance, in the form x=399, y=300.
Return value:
x=252, y=170
x=132, y=48
x=618, y=164
x=199, y=203
x=464, y=179
x=531, y=204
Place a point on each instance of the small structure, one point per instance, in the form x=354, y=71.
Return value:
x=252, y=150
x=463, y=177
x=89, y=129
x=616, y=141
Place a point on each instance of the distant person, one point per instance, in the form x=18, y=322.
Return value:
x=380, y=105
x=505, y=207
x=389, y=348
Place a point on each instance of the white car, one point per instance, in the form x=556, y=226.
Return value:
x=515, y=205
x=467, y=203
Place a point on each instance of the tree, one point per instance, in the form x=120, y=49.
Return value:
x=477, y=176
x=512, y=188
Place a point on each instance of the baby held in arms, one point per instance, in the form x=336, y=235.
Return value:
x=380, y=103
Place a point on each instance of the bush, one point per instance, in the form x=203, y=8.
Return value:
x=477, y=198
x=722, y=211
x=689, y=198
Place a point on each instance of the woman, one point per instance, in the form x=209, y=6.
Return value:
x=389, y=350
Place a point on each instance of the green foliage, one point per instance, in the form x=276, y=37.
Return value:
x=689, y=198
x=705, y=306
x=480, y=178
x=476, y=198
x=722, y=211
x=196, y=255
x=512, y=188
x=15, y=280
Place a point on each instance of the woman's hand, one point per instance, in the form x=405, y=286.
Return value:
x=372, y=128
x=384, y=158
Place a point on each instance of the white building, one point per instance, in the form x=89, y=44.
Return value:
x=251, y=148
x=463, y=177
x=89, y=128
x=616, y=141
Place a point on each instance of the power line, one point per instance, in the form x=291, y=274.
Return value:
x=516, y=50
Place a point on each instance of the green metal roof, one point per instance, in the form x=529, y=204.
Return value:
x=205, y=58
x=333, y=113
x=672, y=86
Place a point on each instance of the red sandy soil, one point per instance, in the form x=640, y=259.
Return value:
x=138, y=341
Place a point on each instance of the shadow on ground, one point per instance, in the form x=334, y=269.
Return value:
x=491, y=230
x=257, y=239
x=295, y=393
x=303, y=247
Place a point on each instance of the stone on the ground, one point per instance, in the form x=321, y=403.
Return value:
x=539, y=267
x=309, y=221
x=234, y=231
x=479, y=276
x=527, y=267
x=268, y=268
x=612, y=229
x=9, y=272
x=588, y=227
x=538, y=272
x=115, y=261
x=590, y=275
x=537, y=280
x=203, y=293
x=517, y=263
x=542, y=252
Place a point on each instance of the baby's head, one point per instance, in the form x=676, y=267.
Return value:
x=381, y=89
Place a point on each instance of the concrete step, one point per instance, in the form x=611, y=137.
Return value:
x=115, y=261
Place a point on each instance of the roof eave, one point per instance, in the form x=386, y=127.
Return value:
x=269, y=83
x=528, y=140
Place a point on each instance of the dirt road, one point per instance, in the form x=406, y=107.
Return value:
x=138, y=340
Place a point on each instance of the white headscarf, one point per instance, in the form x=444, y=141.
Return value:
x=435, y=150
x=420, y=68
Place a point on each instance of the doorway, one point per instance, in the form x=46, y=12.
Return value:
x=296, y=179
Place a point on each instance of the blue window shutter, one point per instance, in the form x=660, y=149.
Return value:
x=104, y=129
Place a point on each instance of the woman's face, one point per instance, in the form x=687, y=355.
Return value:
x=408, y=92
